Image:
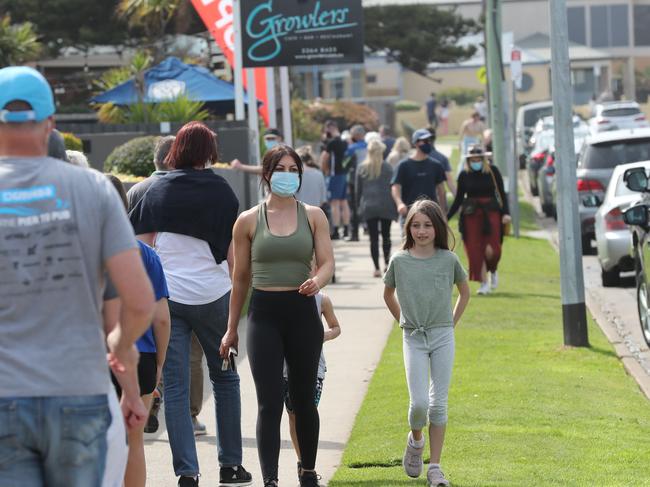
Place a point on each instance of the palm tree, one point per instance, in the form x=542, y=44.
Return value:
x=153, y=15
x=18, y=42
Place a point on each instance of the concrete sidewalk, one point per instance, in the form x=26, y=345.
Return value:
x=351, y=361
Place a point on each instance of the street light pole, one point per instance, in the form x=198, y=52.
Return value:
x=495, y=82
x=574, y=314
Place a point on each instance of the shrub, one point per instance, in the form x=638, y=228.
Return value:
x=72, y=142
x=134, y=157
x=462, y=96
x=407, y=106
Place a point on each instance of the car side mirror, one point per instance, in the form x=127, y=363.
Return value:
x=636, y=216
x=592, y=201
x=636, y=179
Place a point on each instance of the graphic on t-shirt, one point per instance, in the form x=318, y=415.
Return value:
x=38, y=252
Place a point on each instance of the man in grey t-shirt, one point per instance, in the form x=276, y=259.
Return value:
x=61, y=228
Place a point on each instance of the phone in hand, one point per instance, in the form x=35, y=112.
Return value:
x=229, y=363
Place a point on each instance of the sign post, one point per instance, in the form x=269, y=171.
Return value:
x=513, y=190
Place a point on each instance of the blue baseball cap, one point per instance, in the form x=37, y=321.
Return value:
x=21, y=83
x=420, y=134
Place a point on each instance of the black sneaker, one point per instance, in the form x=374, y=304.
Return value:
x=309, y=479
x=299, y=468
x=270, y=483
x=188, y=482
x=234, y=476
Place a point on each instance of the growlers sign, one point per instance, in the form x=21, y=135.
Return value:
x=301, y=32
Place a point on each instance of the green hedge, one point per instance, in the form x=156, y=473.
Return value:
x=134, y=157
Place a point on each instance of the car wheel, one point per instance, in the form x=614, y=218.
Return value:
x=586, y=245
x=610, y=278
x=642, y=305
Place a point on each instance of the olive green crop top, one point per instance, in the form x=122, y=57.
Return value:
x=281, y=261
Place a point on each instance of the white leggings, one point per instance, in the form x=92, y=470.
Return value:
x=428, y=353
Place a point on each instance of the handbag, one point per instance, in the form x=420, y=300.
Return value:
x=506, y=228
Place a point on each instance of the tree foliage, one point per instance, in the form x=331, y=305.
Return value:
x=70, y=22
x=180, y=109
x=416, y=35
x=18, y=42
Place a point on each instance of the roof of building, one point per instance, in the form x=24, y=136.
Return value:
x=535, y=49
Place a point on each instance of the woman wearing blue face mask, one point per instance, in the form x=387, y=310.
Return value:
x=484, y=210
x=274, y=244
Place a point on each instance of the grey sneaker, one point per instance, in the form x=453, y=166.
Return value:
x=412, y=461
x=436, y=478
x=199, y=428
x=494, y=280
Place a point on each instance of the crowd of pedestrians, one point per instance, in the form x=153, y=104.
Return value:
x=110, y=296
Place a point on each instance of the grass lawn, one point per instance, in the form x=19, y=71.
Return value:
x=524, y=410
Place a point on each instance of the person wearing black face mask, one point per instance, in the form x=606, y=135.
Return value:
x=418, y=176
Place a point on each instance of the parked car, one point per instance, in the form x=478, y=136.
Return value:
x=637, y=217
x=546, y=174
x=613, y=236
x=527, y=117
x=543, y=143
x=600, y=154
x=616, y=116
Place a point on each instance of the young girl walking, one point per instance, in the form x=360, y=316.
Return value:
x=424, y=273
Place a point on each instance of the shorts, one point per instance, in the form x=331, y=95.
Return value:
x=147, y=369
x=117, y=451
x=317, y=393
x=338, y=187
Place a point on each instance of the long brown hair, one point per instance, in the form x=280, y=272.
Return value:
x=433, y=212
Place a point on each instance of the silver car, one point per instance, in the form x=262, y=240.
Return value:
x=613, y=236
x=601, y=153
x=616, y=116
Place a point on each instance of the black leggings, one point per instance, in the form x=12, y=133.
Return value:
x=284, y=325
x=373, y=230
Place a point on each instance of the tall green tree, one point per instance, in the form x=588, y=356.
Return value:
x=18, y=42
x=152, y=15
x=70, y=22
x=416, y=35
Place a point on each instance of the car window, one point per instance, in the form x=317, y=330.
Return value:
x=608, y=155
x=534, y=114
x=543, y=142
x=621, y=112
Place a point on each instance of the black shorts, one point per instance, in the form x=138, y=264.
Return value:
x=147, y=369
x=318, y=391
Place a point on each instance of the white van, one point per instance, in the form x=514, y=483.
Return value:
x=527, y=117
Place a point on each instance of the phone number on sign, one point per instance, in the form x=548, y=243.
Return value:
x=318, y=50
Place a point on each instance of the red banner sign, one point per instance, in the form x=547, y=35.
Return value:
x=218, y=16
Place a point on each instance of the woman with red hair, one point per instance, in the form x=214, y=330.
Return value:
x=188, y=215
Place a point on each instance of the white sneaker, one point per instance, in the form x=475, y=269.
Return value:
x=484, y=289
x=494, y=280
x=436, y=478
x=412, y=460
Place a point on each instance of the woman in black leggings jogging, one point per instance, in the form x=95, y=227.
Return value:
x=275, y=242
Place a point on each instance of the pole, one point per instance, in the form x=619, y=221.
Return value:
x=574, y=315
x=270, y=96
x=239, y=63
x=253, y=119
x=287, y=128
x=495, y=78
x=514, y=181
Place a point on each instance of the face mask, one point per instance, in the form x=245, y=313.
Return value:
x=476, y=166
x=270, y=144
x=285, y=184
x=426, y=148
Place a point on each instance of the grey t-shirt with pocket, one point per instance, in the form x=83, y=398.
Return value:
x=424, y=287
x=58, y=226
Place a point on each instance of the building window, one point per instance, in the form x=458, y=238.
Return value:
x=618, y=25
x=577, y=25
x=641, y=22
x=371, y=79
x=599, y=30
x=609, y=26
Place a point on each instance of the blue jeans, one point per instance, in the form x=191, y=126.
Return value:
x=53, y=441
x=208, y=322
